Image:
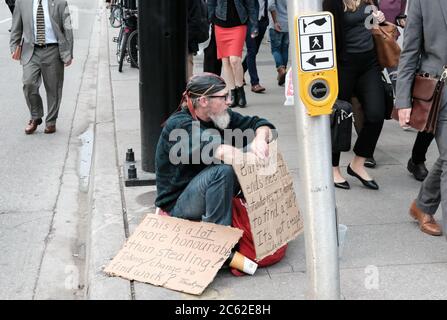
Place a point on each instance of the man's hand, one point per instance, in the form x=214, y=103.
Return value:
x=68, y=63
x=404, y=116
x=260, y=147
x=277, y=27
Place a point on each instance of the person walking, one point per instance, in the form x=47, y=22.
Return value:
x=43, y=30
x=279, y=37
x=253, y=45
x=425, y=51
x=230, y=18
x=360, y=75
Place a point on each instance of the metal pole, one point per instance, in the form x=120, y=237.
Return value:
x=162, y=50
x=317, y=187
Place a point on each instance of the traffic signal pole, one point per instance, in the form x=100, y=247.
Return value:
x=316, y=180
x=162, y=31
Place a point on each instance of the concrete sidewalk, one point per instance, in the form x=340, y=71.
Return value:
x=385, y=256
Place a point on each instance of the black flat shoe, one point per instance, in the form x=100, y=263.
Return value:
x=370, y=163
x=371, y=184
x=419, y=170
x=342, y=185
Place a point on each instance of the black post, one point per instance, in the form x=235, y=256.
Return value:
x=162, y=51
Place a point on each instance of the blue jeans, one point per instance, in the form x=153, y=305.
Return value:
x=253, y=45
x=279, y=42
x=208, y=196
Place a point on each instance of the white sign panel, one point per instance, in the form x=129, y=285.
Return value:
x=316, y=45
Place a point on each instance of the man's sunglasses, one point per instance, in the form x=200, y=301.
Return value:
x=225, y=97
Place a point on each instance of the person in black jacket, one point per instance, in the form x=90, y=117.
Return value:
x=359, y=75
x=198, y=29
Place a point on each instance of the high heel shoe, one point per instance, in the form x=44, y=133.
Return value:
x=371, y=184
x=342, y=185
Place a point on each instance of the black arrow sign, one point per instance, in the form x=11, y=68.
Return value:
x=314, y=60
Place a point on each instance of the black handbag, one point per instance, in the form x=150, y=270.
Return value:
x=341, y=126
x=389, y=99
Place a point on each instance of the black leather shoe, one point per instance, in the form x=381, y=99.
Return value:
x=370, y=162
x=419, y=170
x=241, y=101
x=342, y=185
x=371, y=184
x=233, y=94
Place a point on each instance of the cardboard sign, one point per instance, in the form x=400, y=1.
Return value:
x=174, y=253
x=271, y=201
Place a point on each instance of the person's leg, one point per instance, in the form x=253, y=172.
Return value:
x=32, y=79
x=53, y=79
x=210, y=61
x=285, y=48
x=237, y=71
x=346, y=80
x=372, y=98
x=208, y=196
x=420, y=147
x=275, y=44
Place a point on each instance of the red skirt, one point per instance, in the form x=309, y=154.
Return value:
x=230, y=41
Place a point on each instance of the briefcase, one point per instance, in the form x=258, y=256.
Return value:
x=17, y=54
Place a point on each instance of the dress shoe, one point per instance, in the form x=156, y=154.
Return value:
x=281, y=75
x=32, y=125
x=342, y=185
x=50, y=129
x=426, y=221
x=371, y=184
x=419, y=170
x=370, y=162
x=257, y=88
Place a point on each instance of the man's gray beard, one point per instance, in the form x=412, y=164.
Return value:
x=221, y=120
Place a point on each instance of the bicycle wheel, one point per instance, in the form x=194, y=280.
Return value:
x=116, y=16
x=123, y=51
x=132, y=48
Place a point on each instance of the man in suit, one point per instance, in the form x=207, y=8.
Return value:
x=43, y=27
x=425, y=50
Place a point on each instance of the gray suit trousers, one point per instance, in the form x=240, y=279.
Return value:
x=45, y=64
x=434, y=188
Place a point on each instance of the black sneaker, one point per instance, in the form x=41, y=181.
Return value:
x=370, y=163
x=419, y=170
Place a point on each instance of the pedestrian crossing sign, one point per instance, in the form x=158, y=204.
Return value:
x=317, y=63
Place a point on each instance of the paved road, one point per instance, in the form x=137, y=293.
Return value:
x=41, y=212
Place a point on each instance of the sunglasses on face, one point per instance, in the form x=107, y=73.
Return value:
x=225, y=97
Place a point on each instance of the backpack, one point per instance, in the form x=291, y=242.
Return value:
x=246, y=244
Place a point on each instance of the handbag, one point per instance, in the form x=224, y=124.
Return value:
x=426, y=101
x=389, y=94
x=387, y=49
x=341, y=126
x=17, y=54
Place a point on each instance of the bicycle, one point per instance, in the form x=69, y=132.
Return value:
x=129, y=26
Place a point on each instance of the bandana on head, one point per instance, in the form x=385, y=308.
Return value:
x=201, y=85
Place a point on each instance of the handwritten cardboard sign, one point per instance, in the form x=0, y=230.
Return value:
x=174, y=253
x=271, y=201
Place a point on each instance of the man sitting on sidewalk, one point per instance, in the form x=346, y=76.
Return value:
x=192, y=181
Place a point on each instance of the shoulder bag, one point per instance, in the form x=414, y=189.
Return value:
x=426, y=101
x=387, y=49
